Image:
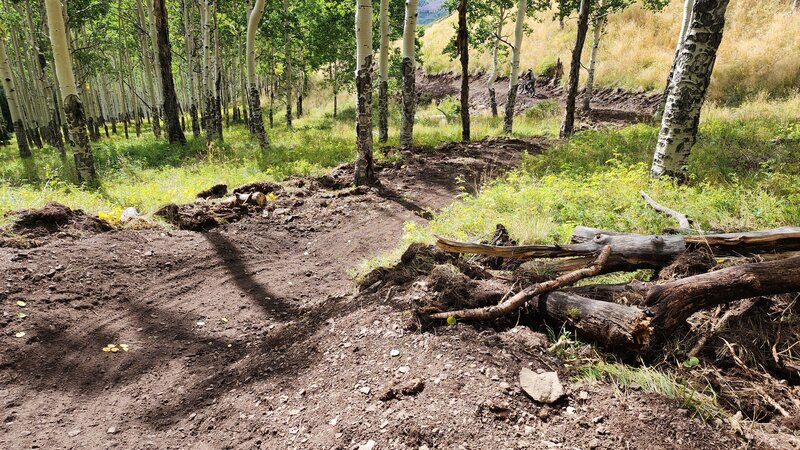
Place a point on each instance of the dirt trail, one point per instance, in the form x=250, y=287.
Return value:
x=610, y=107
x=251, y=335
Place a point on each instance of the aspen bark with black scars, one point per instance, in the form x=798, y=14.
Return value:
x=409, y=76
x=73, y=108
x=688, y=5
x=383, y=73
x=254, y=97
x=513, y=79
x=688, y=88
x=462, y=44
x=10, y=89
x=364, y=168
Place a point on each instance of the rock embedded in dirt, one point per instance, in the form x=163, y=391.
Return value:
x=543, y=388
x=128, y=214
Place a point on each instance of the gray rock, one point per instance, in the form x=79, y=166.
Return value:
x=543, y=388
x=128, y=214
x=369, y=445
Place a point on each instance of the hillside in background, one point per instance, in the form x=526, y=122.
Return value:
x=757, y=55
x=431, y=10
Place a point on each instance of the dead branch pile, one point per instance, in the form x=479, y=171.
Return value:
x=754, y=265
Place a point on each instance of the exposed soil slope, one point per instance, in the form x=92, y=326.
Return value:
x=609, y=106
x=251, y=335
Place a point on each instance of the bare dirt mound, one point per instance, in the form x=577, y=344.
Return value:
x=609, y=106
x=33, y=227
x=251, y=335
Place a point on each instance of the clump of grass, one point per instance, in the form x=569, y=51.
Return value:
x=702, y=402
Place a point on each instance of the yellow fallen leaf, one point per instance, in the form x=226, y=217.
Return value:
x=114, y=349
x=22, y=315
x=21, y=304
x=123, y=345
x=225, y=320
x=20, y=334
x=106, y=349
x=124, y=349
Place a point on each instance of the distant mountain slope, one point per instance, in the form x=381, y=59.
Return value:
x=430, y=10
x=759, y=53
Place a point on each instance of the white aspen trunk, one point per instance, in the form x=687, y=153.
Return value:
x=11, y=96
x=288, y=64
x=409, y=75
x=154, y=45
x=493, y=72
x=383, y=71
x=513, y=79
x=597, y=33
x=190, y=65
x=688, y=6
x=256, y=120
x=693, y=68
x=148, y=66
x=364, y=169
x=73, y=108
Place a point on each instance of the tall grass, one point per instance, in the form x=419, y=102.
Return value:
x=759, y=51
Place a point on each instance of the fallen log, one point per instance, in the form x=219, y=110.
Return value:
x=637, y=251
x=520, y=298
x=673, y=302
x=255, y=198
x=608, y=323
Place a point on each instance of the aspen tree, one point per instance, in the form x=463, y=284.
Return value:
x=513, y=79
x=364, y=169
x=383, y=72
x=409, y=76
x=9, y=87
x=256, y=119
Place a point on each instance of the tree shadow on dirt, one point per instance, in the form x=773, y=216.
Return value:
x=242, y=277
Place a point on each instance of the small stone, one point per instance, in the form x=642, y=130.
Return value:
x=543, y=388
x=570, y=410
x=148, y=253
x=403, y=369
x=73, y=433
x=594, y=443
x=369, y=445
x=364, y=390
x=394, y=353
x=504, y=386
x=583, y=395
x=112, y=430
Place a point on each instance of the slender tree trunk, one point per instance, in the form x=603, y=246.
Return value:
x=256, y=120
x=568, y=125
x=383, y=71
x=288, y=64
x=513, y=79
x=147, y=63
x=11, y=96
x=364, y=169
x=409, y=75
x=171, y=120
x=688, y=90
x=688, y=6
x=493, y=72
x=73, y=108
x=462, y=43
x=217, y=75
x=597, y=33
x=190, y=65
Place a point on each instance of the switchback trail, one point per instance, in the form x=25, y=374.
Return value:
x=251, y=335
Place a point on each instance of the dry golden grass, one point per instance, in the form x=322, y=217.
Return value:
x=760, y=51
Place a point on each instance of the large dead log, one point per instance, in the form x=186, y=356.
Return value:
x=605, y=322
x=672, y=303
x=638, y=251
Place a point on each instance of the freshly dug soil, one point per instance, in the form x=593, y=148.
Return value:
x=252, y=335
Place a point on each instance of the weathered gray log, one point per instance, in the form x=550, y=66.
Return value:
x=629, y=251
x=605, y=322
x=624, y=293
x=672, y=303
